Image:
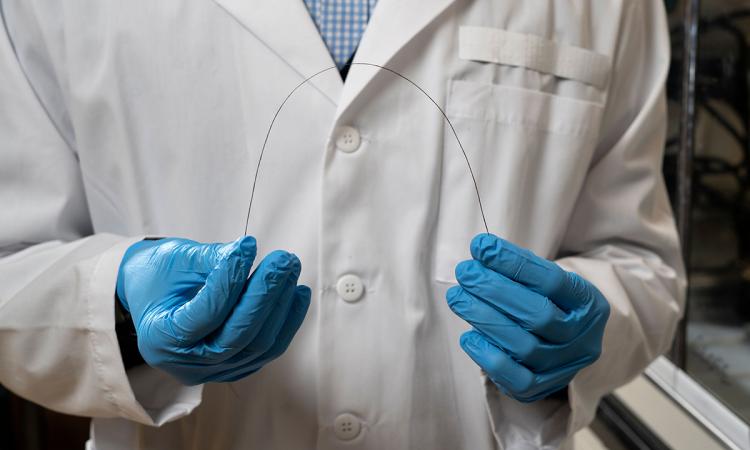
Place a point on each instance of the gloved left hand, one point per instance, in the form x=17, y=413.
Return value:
x=535, y=324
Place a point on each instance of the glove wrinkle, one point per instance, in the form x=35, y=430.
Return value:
x=195, y=309
x=535, y=325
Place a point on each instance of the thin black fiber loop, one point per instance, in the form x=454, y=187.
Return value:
x=303, y=82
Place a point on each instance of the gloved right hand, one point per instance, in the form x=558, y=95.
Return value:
x=196, y=314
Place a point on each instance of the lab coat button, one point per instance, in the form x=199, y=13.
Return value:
x=350, y=288
x=346, y=427
x=347, y=139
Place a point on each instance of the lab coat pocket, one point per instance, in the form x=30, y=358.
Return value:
x=529, y=151
x=565, y=61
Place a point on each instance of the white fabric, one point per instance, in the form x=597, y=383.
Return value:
x=119, y=120
x=533, y=52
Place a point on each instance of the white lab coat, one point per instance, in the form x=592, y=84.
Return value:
x=125, y=119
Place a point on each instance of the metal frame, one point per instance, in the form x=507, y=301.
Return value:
x=678, y=353
x=626, y=426
x=709, y=411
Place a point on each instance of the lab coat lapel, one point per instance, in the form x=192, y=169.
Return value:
x=285, y=26
x=393, y=24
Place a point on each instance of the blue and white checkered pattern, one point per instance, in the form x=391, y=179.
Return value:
x=341, y=24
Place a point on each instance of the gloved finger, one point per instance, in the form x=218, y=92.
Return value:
x=289, y=328
x=526, y=348
x=203, y=258
x=512, y=378
x=539, y=274
x=221, y=346
x=293, y=322
x=261, y=346
x=208, y=309
x=549, y=382
x=532, y=311
x=269, y=291
x=270, y=328
x=192, y=260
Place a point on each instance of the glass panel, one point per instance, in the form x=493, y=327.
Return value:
x=718, y=316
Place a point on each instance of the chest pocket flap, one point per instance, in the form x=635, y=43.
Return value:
x=499, y=46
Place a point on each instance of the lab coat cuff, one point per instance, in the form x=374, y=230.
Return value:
x=553, y=422
x=583, y=396
x=132, y=395
x=539, y=425
x=631, y=340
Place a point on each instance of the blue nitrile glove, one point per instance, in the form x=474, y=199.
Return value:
x=196, y=314
x=535, y=324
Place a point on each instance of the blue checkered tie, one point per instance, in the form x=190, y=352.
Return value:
x=341, y=24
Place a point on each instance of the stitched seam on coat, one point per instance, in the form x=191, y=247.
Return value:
x=527, y=125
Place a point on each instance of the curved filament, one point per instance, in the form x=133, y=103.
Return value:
x=303, y=82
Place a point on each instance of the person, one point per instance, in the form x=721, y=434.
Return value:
x=367, y=307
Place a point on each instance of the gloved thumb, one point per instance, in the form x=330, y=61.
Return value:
x=205, y=257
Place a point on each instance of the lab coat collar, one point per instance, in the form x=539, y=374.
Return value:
x=286, y=27
x=393, y=24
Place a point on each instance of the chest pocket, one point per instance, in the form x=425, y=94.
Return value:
x=494, y=45
x=528, y=116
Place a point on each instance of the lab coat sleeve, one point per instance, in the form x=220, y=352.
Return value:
x=621, y=236
x=58, y=346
